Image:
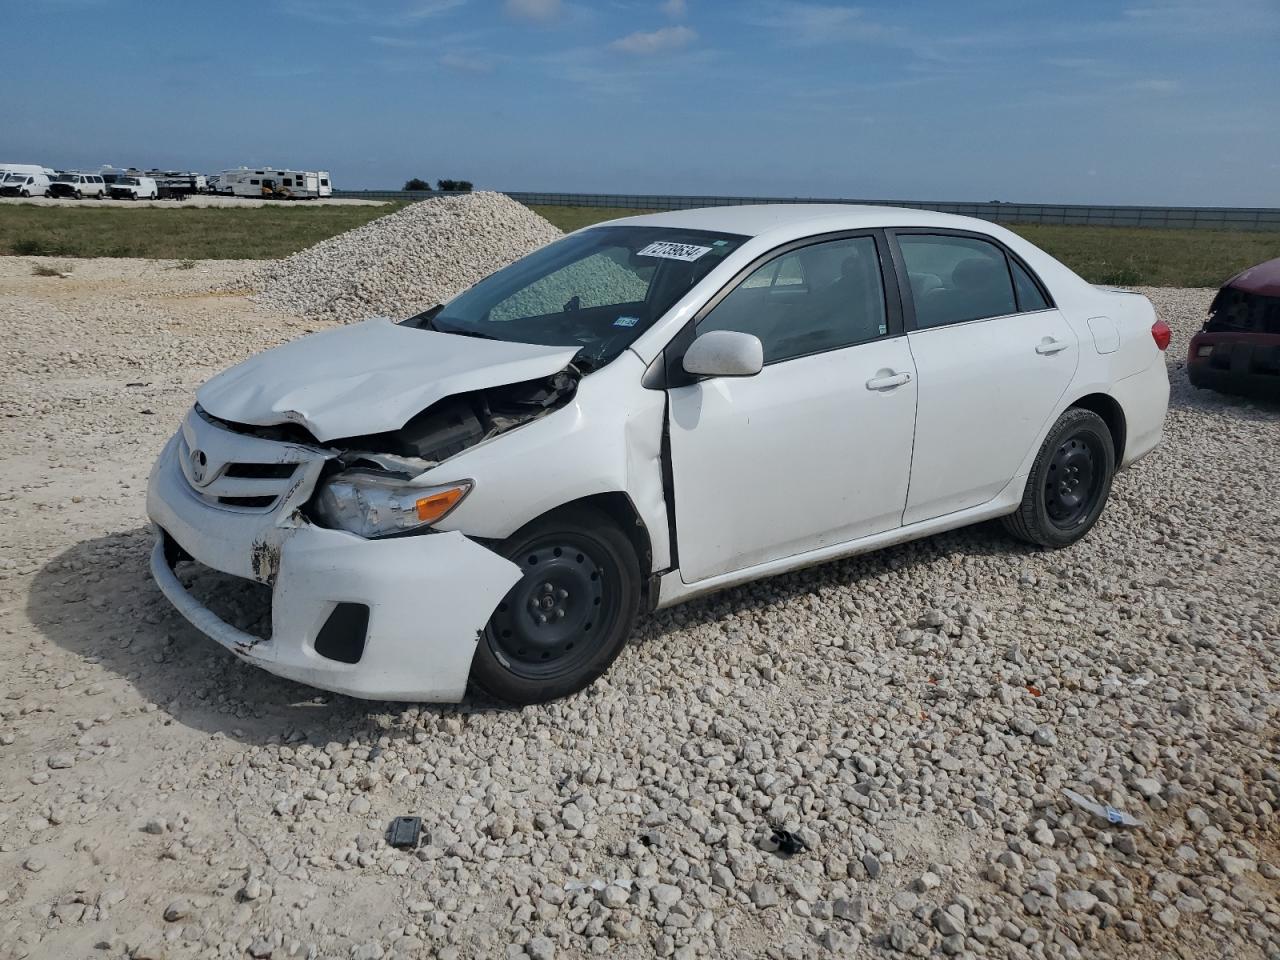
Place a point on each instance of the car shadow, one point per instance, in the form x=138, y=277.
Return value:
x=979, y=540
x=1242, y=406
x=97, y=601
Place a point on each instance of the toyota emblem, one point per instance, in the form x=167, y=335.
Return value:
x=199, y=464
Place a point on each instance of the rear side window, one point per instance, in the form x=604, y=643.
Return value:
x=1029, y=295
x=956, y=279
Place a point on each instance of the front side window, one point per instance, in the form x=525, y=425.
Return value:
x=597, y=290
x=817, y=298
x=956, y=279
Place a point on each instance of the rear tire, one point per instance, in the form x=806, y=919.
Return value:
x=566, y=620
x=1069, y=482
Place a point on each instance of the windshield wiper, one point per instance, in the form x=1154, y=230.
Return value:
x=457, y=331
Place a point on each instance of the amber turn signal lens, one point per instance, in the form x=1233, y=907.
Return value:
x=438, y=504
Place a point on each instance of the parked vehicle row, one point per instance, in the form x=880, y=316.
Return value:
x=31, y=180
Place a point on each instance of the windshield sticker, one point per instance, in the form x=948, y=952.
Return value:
x=626, y=321
x=674, y=251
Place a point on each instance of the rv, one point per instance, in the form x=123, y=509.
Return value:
x=274, y=184
x=31, y=169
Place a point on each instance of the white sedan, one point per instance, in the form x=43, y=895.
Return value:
x=644, y=411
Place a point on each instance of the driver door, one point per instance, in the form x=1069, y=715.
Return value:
x=816, y=448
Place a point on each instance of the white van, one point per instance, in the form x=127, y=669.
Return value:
x=133, y=188
x=78, y=185
x=25, y=185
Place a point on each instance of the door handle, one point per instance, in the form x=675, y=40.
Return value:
x=887, y=380
x=1048, y=346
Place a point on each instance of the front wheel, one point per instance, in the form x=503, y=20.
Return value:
x=567, y=618
x=1069, y=482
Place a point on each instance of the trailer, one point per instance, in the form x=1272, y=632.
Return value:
x=177, y=184
x=271, y=183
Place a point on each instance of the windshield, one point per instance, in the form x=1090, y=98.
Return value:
x=597, y=290
x=65, y=178
x=128, y=181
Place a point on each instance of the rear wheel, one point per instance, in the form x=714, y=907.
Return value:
x=1069, y=482
x=566, y=620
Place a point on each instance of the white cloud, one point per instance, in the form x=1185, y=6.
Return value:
x=658, y=41
x=1157, y=86
x=815, y=23
x=346, y=12
x=541, y=10
x=675, y=9
x=467, y=62
x=398, y=42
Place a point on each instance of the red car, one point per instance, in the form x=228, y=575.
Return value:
x=1238, y=349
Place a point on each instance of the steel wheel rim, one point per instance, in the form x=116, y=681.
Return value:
x=1073, y=480
x=558, y=614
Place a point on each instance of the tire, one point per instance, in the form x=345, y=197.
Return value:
x=582, y=578
x=1069, y=482
x=79, y=195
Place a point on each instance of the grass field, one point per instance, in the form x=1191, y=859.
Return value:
x=194, y=233
x=1112, y=255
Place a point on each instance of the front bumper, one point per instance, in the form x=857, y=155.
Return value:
x=428, y=597
x=1241, y=363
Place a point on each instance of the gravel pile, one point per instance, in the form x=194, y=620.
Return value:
x=405, y=262
x=910, y=720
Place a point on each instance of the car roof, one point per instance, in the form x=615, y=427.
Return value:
x=754, y=220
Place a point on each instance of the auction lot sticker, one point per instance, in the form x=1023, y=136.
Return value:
x=673, y=251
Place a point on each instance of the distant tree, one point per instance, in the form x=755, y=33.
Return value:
x=417, y=183
x=455, y=186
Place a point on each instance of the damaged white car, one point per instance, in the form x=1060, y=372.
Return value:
x=647, y=410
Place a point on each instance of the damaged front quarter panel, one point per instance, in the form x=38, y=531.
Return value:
x=457, y=423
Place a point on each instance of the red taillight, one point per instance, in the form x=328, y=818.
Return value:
x=1161, y=334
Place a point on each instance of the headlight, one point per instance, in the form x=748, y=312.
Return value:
x=373, y=505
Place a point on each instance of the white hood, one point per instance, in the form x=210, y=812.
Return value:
x=368, y=377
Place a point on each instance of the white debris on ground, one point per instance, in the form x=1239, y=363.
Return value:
x=405, y=262
x=915, y=717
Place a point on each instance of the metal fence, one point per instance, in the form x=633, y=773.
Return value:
x=1196, y=218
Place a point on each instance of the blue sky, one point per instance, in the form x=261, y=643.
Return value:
x=1147, y=101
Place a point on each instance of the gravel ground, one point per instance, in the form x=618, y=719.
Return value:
x=198, y=200
x=913, y=716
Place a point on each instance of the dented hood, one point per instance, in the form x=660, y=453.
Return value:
x=369, y=377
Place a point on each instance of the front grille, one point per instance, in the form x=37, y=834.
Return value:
x=261, y=471
x=249, y=476
x=1238, y=311
x=253, y=503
